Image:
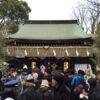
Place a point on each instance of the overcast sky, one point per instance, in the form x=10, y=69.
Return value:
x=51, y=9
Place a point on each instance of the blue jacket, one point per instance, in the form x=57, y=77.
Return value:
x=78, y=79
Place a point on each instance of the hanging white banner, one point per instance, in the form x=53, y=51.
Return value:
x=8, y=52
x=38, y=52
x=77, y=53
x=87, y=52
x=54, y=52
x=25, y=52
x=67, y=52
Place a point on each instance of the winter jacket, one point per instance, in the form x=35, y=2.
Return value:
x=78, y=79
x=94, y=95
x=47, y=93
x=62, y=93
x=98, y=86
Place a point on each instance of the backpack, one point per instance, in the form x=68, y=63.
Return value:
x=78, y=89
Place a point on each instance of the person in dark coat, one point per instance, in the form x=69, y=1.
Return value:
x=45, y=90
x=93, y=94
x=61, y=91
x=30, y=94
x=10, y=90
x=70, y=76
x=98, y=80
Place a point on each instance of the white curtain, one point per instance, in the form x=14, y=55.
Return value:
x=83, y=67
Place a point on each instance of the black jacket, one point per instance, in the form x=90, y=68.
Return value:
x=62, y=93
x=47, y=93
x=94, y=96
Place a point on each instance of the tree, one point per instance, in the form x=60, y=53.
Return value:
x=94, y=9
x=88, y=14
x=12, y=13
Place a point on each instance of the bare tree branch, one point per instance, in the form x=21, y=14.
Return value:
x=88, y=14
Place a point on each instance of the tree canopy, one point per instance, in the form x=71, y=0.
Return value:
x=12, y=13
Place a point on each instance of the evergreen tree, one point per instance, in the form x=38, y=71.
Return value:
x=12, y=13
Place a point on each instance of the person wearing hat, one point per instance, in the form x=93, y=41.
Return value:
x=60, y=91
x=44, y=84
x=10, y=90
x=45, y=90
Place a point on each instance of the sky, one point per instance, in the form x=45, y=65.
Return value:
x=51, y=9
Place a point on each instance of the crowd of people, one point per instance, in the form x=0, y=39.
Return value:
x=48, y=83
